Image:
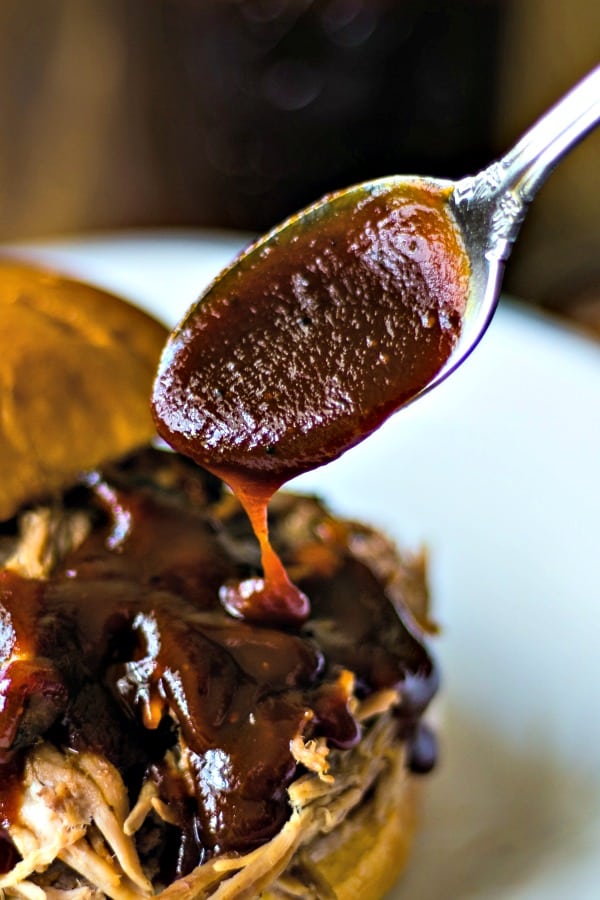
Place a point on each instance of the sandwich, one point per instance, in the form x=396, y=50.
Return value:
x=151, y=743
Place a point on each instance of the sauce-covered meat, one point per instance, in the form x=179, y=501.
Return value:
x=128, y=650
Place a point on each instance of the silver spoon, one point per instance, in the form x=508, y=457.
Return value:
x=236, y=387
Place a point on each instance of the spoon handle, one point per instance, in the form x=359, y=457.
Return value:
x=532, y=159
x=497, y=198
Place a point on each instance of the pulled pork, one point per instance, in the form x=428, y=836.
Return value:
x=82, y=812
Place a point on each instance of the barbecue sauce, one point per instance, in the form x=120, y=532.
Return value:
x=131, y=652
x=305, y=346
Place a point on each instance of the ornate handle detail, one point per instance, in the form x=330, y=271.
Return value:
x=493, y=203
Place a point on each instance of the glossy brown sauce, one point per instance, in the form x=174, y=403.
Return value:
x=128, y=650
x=305, y=347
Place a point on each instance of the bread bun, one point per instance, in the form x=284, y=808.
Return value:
x=367, y=852
x=377, y=842
x=76, y=369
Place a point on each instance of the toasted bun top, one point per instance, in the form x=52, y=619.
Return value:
x=76, y=370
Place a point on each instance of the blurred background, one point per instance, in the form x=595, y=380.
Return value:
x=234, y=113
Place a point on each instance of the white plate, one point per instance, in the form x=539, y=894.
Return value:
x=497, y=472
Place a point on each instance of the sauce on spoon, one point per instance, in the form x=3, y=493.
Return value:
x=304, y=347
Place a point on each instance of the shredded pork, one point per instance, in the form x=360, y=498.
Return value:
x=76, y=830
x=75, y=810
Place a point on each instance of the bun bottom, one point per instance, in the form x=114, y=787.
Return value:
x=364, y=856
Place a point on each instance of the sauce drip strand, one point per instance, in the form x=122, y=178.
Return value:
x=272, y=598
x=306, y=345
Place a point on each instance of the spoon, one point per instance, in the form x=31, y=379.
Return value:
x=341, y=315
x=351, y=309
